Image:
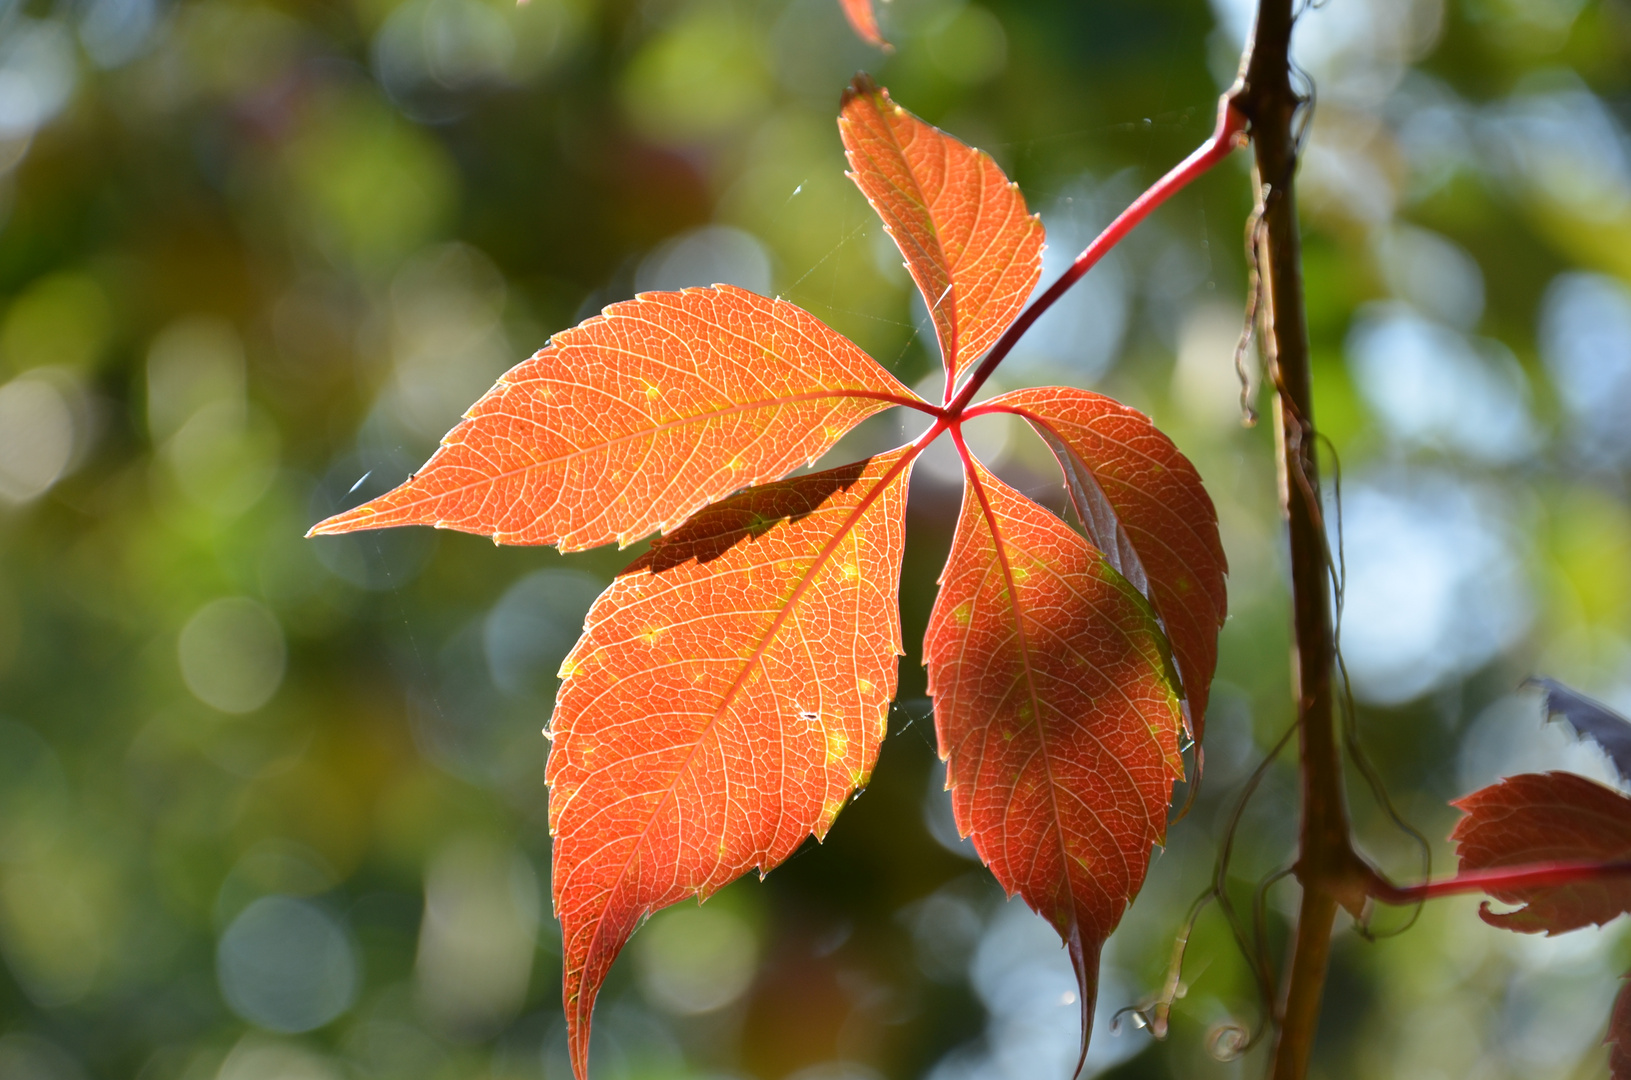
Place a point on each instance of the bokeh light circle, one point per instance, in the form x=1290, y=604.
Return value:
x=36, y=438
x=287, y=965
x=232, y=654
x=696, y=960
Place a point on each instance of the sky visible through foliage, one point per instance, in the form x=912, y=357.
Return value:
x=274, y=808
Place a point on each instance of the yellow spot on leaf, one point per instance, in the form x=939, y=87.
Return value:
x=837, y=744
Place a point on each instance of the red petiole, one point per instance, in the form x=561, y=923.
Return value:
x=1536, y=876
x=1225, y=137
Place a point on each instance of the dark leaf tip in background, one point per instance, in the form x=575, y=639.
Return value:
x=1590, y=720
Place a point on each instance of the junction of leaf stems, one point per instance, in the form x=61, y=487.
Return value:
x=1342, y=873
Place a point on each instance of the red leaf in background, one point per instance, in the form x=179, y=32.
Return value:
x=1619, y=1034
x=864, y=21
x=635, y=419
x=728, y=695
x=1548, y=817
x=972, y=247
x=1056, y=713
x=1142, y=503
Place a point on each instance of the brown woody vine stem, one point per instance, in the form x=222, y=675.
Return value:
x=1330, y=873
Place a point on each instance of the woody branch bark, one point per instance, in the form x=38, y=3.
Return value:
x=1330, y=873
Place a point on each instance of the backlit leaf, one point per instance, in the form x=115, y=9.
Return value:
x=727, y=697
x=1548, y=817
x=970, y=244
x=864, y=21
x=1057, y=714
x=1142, y=503
x=635, y=419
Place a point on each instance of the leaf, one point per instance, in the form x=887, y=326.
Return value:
x=1619, y=1034
x=1548, y=817
x=729, y=693
x=864, y=21
x=1590, y=720
x=1056, y=712
x=1142, y=503
x=969, y=243
x=633, y=420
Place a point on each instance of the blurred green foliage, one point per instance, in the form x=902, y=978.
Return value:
x=273, y=808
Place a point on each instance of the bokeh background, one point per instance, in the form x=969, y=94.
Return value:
x=273, y=809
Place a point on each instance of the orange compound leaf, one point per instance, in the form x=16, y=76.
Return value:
x=1142, y=503
x=970, y=244
x=727, y=697
x=1542, y=818
x=864, y=21
x=635, y=419
x=1619, y=1034
x=1058, y=715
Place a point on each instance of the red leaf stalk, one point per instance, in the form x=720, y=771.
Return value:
x=1225, y=137
x=1500, y=879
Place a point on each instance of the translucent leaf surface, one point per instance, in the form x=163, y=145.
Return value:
x=1142, y=502
x=1057, y=715
x=728, y=695
x=1541, y=818
x=970, y=244
x=863, y=19
x=635, y=419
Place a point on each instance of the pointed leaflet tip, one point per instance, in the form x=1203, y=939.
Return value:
x=862, y=86
x=864, y=21
x=633, y=420
x=1084, y=959
x=969, y=242
x=1056, y=713
x=353, y=520
x=687, y=747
